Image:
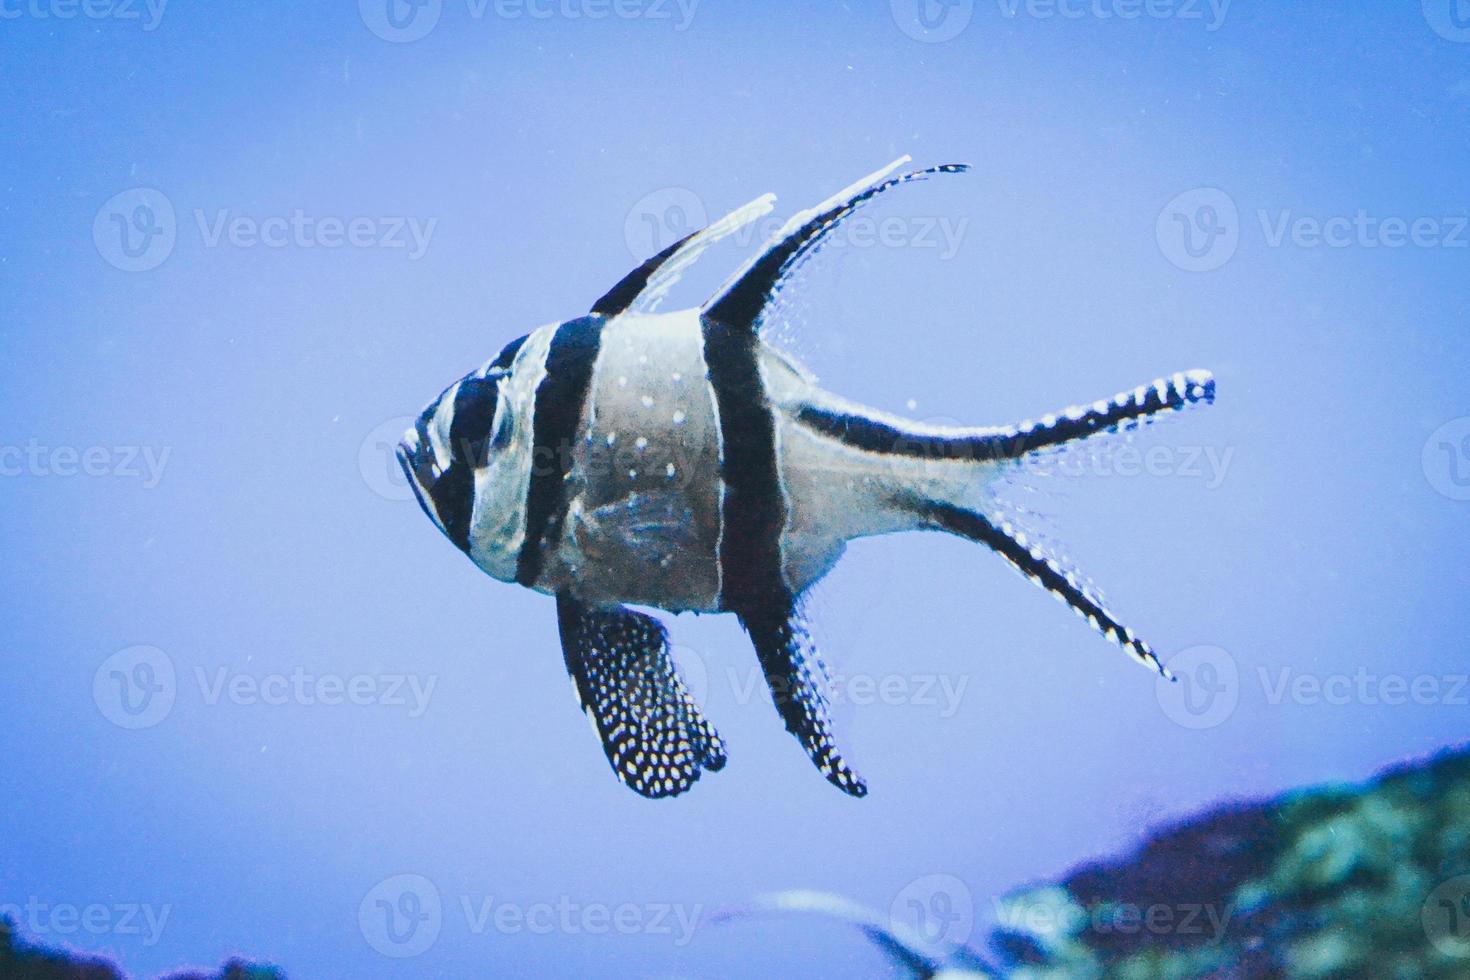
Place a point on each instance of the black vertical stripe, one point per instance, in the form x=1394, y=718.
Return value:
x=469, y=430
x=559, y=401
x=754, y=510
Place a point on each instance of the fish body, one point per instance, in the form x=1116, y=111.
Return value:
x=679, y=461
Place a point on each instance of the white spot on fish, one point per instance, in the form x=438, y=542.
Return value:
x=679, y=418
x=623, y=381
x=632, y=474
x=677, y=376
x=612, y=437
x=647, y=401
x=669, y=471
x=641, y=443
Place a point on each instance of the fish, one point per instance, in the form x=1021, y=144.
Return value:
x=680, y=461
x=911, y=953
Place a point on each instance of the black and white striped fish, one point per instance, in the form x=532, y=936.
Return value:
x=676, y=460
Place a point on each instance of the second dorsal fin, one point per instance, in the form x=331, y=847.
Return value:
x=743, y=300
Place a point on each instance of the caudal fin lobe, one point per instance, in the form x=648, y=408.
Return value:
x=891, y=436
x=1031, y=560
x=1123, y=412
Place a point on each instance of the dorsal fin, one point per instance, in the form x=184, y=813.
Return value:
x=743, y=300
x=644, y=287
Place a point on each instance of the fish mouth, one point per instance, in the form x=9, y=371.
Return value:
x=420, y=469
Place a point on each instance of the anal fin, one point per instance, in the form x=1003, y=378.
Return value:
x=797, y=679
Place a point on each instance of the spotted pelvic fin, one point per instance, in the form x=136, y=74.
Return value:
x=656, y=739
x=798, y=679
x=645, y=287
x=742, y=302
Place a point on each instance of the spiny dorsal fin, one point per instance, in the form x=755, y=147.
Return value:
x=743, y=300
x=644, y=287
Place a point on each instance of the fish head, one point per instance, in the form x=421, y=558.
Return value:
x=460, y=459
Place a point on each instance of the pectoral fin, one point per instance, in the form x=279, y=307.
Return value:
x=655, y=737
